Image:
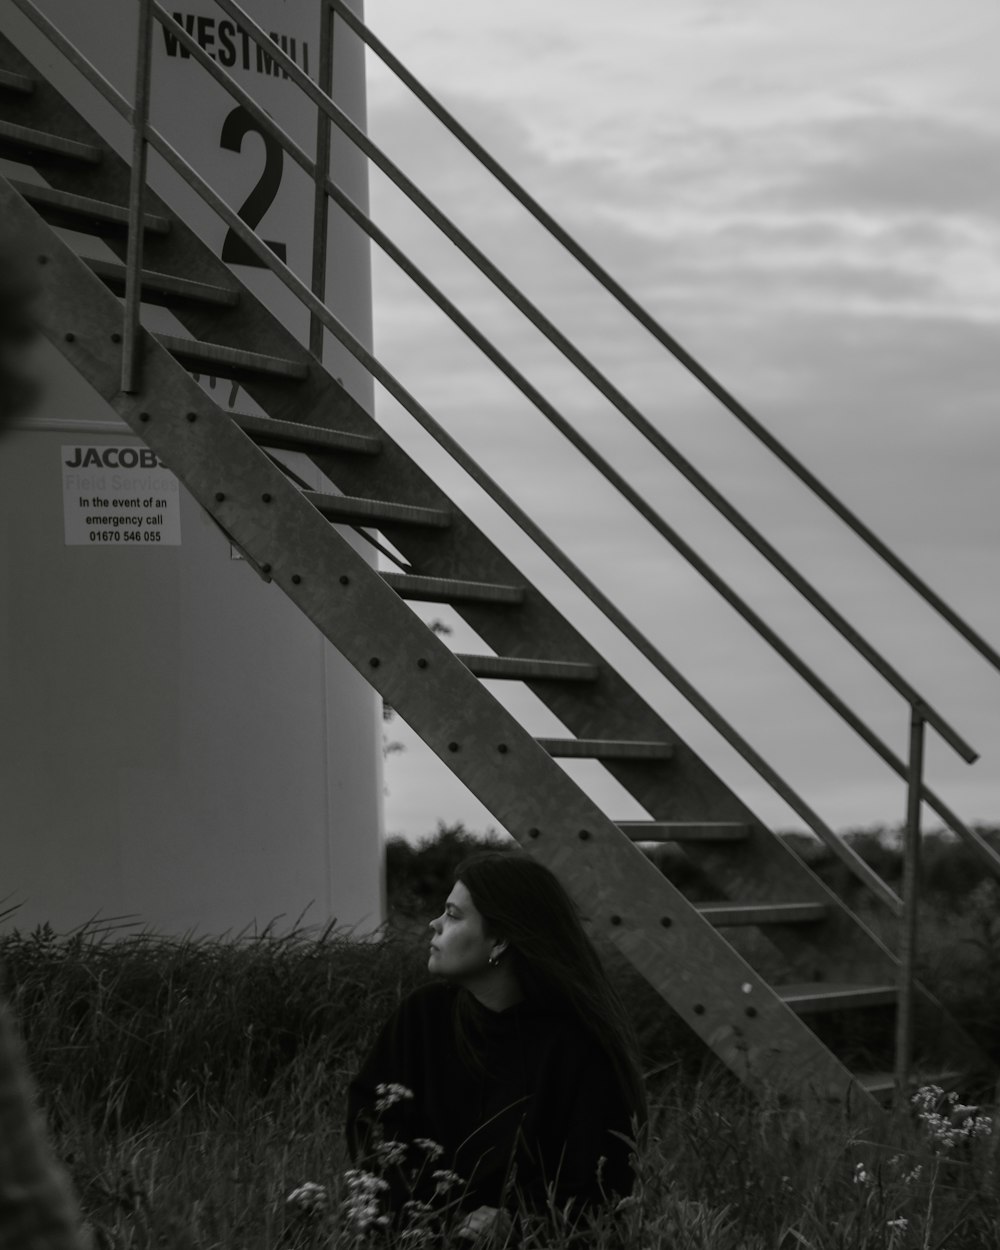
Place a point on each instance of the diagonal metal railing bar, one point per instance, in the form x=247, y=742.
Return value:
x=600, y=382
x=855, y=864
x=663, y=336
x=356, y=214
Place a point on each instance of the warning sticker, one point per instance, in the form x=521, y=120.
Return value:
x=118, y=496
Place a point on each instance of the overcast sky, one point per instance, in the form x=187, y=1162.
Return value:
x=806, y=195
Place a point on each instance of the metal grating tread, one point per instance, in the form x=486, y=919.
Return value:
x=882, y=1085
x=228, y=361
x=376, y=511
x=41, y=143
x=725, y=913
x=289, y=435
x=510, y=668
x=9, y=81
x=57, y=205
x=683, y=831
x=164, y=288
x=605, y=749
x=831, y=996
x=451, y=590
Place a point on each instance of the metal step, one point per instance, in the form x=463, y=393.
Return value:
x=513, y=669
x=683, y=831
x=163, y=288
x=727, y=914
x=62, y=208
x=605, y=749
x=374, y=512
x=418, y=589
x=23, y=141
x=225, y=362
x=824, y=996
x=10, y=81
x=289, y=436
x=882, y=1085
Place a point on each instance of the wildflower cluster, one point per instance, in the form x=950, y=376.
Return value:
x=445, y=1180
x=946, y=1121
x=389, y=1094
x=362, y=1207
x=430, y=1195
x=309, y=1199
x=391, y=1153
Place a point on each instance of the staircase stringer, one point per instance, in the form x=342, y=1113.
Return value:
x=679, y=952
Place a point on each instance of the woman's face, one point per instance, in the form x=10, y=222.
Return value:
x=459, y=947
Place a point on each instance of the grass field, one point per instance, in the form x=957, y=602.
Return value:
x=192, y=1086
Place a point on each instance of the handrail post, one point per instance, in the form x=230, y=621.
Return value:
x=910, y=891
x=136, y=201
x=321, y=207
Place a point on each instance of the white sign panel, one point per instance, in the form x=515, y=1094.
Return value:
x=118, y=495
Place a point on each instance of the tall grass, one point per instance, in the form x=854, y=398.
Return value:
x=192, y=1085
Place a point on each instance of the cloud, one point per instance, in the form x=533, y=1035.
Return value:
x=901, y=164
x=857, y=325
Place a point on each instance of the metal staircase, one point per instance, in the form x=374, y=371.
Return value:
x=834, y=963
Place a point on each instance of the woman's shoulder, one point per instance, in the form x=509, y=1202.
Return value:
x=427, y=1000
x=572, y=1043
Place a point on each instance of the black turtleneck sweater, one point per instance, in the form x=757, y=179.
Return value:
x=548, y=1100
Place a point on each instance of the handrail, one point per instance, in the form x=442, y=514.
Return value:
x=136, y=193
x=320, y=176
x=911, y=902
x=357, y=215
x=316, y=308
x=599, y=381
x=667, y=340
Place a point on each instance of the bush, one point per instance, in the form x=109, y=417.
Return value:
x=419, y=878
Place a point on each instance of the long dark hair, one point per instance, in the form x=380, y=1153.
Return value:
x=556, y=966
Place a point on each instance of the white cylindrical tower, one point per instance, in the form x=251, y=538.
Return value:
x=178, y=744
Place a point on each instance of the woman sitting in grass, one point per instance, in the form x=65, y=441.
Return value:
x=513, y=1084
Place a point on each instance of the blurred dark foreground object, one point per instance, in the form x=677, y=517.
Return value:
x=18, y=286
x=37, y=1208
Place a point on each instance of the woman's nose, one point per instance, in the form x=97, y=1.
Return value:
x=435, y=924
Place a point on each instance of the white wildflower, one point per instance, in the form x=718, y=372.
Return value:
x=860, y=1175
x=391, y=1153
x=433, y=1149
x=389, y=1094
x=362, y=1206
x=308, y=1199
x=901, y=1223
x=946, y=1121
x=359, y=1181
x=445, y=1180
